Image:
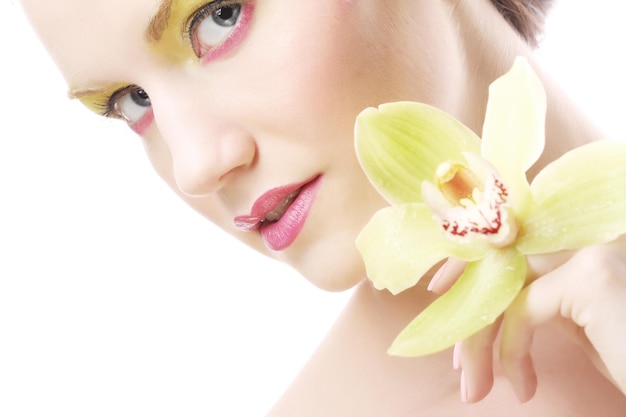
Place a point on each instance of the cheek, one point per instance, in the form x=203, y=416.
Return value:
x=315, y=65
x=356, y=55
x=159, y=156
x=210, y=207
x=328, y=67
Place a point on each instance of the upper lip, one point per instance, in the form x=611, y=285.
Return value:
x=278, y=198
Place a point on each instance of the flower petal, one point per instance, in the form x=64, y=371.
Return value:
x=401, y=144
x=401, y=243
x=483, y=292
x=514, y=128
x=579, y=200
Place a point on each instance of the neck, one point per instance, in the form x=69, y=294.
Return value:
x=489, y=47
x=395, y=311
x=567, y=126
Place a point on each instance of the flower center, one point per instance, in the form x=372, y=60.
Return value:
x=472, y=207
x=457, y=183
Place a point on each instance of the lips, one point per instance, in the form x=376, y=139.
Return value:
x=280, y=213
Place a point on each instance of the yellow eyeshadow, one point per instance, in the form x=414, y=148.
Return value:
x=173, y=43
x=97, y=98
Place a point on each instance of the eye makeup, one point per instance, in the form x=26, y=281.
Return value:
x=170, y=33
x=182, y=32
x=97, y=98
x=118, y=101
x=218, y=27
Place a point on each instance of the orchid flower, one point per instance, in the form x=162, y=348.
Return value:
x=455, y=195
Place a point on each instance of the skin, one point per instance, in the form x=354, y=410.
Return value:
x=589, y=311
x=262, y=144
x=279, y=109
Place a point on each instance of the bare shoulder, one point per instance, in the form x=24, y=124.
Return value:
x=350, y=374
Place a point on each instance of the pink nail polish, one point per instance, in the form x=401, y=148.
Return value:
x=437, y=277
x=456, y=356
x=464, y=396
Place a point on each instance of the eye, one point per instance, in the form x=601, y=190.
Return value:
x=131, y=104
x=214, y=24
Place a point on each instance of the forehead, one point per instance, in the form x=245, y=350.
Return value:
x=42, y=12
x=79, y=32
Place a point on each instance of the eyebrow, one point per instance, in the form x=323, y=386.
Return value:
x=154, y=34
x=157, y=26
x=74, y=94
x=159, y=22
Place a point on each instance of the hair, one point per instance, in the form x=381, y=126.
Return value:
x=526, y=16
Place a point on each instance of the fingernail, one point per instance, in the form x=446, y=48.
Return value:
x=463, y=388
x=456, y=356
x=437, y=277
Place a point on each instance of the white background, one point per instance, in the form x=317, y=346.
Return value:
x=116, y=299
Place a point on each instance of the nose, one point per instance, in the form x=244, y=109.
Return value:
x=208, y=146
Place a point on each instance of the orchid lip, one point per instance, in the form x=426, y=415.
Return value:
x=270, y=206
x=468, y=208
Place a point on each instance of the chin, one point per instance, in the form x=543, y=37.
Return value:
x=332, y=268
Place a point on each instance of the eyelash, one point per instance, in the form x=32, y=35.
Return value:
x=205, y=12
x=108, y=105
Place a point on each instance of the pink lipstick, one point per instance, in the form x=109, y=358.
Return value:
x=280, y=213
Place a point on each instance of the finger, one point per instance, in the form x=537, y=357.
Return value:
x=476, y=359
x=446, y=276
x=536, y=304
x=586, y=296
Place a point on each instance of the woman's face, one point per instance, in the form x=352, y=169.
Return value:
x=246, y=108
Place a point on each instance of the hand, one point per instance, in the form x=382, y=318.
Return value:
x=584, y=292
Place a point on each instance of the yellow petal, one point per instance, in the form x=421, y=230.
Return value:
x=514, y=128
x=401, y=144
x=580, y=200
x=401, y=243
x=477, y=299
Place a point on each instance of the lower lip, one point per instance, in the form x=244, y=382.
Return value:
x=280, y=235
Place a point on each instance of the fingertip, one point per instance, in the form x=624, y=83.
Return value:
x=523, y=378
x=474, y=390
x=446, y=276
x=525, y=393
x=456, y=356
x=432, y=285
x=475, y=355
x=464, y=393
x=477, y=379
